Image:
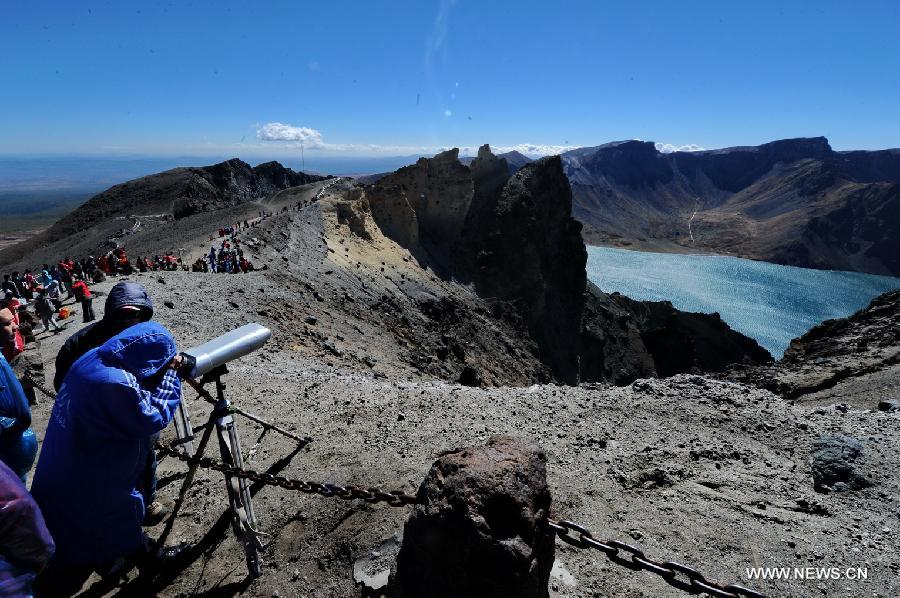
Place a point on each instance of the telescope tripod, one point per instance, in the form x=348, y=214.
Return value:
x=243, y=518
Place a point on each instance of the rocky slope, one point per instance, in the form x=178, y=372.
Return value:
x=623, y=339
x=171, y=195
x=857, y=358
x=794, y=201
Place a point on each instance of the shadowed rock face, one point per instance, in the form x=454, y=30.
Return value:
x=522, y=245
x=511, y=236
x=479, y=528
x=793, y=201
x=623, y=339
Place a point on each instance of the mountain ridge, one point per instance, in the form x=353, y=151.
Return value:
x=791, y=201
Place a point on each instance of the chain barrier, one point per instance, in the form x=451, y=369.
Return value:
x=675, y=574
x=634, y=558
x=40, y=387
x=394, y=498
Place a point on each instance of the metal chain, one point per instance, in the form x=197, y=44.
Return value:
x=40, y=387
x=634, y=558
x=394, y=498
x=692, y=582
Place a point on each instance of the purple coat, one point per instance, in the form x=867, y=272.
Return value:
x=25, y=543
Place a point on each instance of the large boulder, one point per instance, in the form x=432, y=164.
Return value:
x=479, y=527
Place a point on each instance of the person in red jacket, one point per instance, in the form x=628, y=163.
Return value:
x=83, y=294
x=103, y=264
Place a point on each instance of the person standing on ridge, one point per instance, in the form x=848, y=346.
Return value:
x=45, y=310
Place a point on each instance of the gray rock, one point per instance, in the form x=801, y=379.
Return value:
x=479, y=528
x=311, y=319
x=889, y=405
x=835, y=462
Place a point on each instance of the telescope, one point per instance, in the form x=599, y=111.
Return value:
x=213, y=354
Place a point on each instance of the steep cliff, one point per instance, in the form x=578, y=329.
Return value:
x=623, y=339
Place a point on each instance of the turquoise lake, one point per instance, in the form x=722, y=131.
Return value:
x=770, y=303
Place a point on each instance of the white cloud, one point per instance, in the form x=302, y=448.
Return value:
x=668, y=148
x=313, y=140
x=282, y=132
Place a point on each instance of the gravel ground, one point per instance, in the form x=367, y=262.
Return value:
x=710, y=473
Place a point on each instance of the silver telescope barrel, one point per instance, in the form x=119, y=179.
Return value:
x=229, y=346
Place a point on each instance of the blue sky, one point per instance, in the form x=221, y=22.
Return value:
x=391, y=78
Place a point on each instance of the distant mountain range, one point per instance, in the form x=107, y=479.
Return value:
x=794, y=201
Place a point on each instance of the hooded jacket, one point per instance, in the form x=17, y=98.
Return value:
x=97, y=443
x=89, y=337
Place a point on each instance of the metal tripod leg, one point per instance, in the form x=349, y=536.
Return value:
x=183, y=428
x=243, y=516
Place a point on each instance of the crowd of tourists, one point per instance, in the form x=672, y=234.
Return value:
x=228, y=259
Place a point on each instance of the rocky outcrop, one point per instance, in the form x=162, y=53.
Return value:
x=479, y=526
x=512, y=237
x=623, y=339
x=425, y=203
x=833, y=352
x=793, y=201
x=520, y=244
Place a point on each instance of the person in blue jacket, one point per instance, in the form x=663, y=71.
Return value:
x=112, y=401
x=18, y=445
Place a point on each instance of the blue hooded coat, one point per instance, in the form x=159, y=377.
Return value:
x=86, y=481
x=18, y=445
